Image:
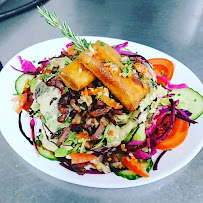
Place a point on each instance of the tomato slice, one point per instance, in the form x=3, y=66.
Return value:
x=162, y=67
x=175, y=137
x=135, y=166
x=77, y=158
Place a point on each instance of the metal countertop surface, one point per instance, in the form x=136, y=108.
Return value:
x=174, y=27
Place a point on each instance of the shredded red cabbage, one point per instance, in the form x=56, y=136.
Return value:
x=172, y=86
x=26, y=66
x=120, y=46
x=153, y=144
x=141, y=155
x=93, y=171
x=122, y=52
x=184, y=116
x=155, y=167
x=150, y=130
x=69, y=44
x=171, y=121
x=32, y=125
x=136, y=142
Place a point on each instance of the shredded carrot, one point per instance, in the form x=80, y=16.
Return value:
x=21, y=101
x=46, y=71
x=111, y=71
x=111, y=133
x=120, y=166
x=123, y=148
x=110, y=102
x=95, y=91
x=85, y=92
x=109, y=159
x=134, y=166
x=132, y=157
x=82, y=135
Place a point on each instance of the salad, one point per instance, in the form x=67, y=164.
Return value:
x=104, y=109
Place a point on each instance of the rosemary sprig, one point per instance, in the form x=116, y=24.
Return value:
x=53, y=20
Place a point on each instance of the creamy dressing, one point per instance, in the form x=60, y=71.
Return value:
x=48, y=105
x=60, y=62
x=46, y=143
x=120, y=133
x=49, y=108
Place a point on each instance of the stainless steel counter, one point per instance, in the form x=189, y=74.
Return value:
x=174, y=27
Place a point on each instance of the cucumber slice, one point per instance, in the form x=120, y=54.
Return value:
x=188, y=99
x=140, y=134
x=44, y=152
x=130, y=134
x=23, y=82
x=130, y=175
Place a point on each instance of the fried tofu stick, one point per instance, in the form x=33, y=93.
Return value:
x=129, y=91
x=76, y=76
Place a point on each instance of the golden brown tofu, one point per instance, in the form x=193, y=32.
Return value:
x=76, y=76
x=129, y=91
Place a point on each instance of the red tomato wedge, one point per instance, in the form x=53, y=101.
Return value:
x=77, y=158
x=21, y=101
x=135, y=166
x=162, y=67
x=176, y=136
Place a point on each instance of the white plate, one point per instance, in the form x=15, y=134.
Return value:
x=170, y=163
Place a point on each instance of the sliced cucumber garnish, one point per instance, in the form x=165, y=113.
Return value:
x=44, y=152
x=130, y=175
x=23, y=82
x=188, y=99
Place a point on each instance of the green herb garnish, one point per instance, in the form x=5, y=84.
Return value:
x=59, y=128
x=53, y=20
x=102, y=44
x=56, y=73
x=74, y=57
x=66, y=89
x=83, y=108
x=129, y=62
x=45, y=76
x=153, y=83
x=68, y=120
x=162, y=72
x=86, y=43
x=106, y=61
x=124, y=70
